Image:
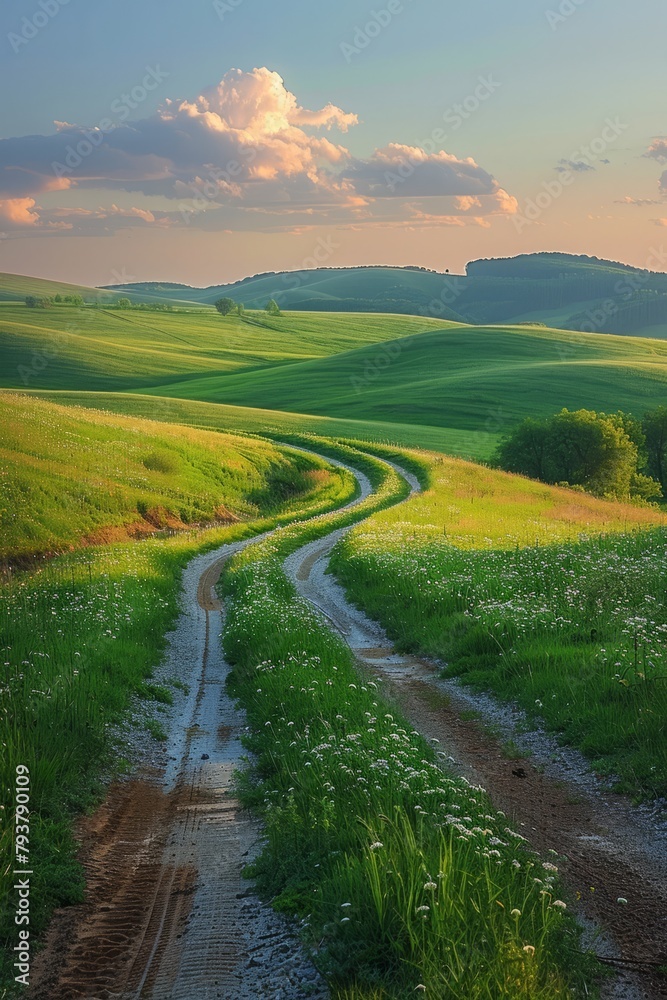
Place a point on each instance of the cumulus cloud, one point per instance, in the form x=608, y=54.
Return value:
x=240, y=150
x=658, y=150
x=18, y=212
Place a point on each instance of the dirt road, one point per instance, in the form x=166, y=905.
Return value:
x=168, y=915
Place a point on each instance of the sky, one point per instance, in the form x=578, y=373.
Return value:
x=207, y=140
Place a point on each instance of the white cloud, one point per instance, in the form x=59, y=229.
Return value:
x=240, y=154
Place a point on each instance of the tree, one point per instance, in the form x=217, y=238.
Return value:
x=525, y=449
x=31, y=301
x=240, y=309
x=597, y=452
x=654, y=426
x=123, y=303
x=58, y=298
x=272, y=308
x=590, y=450
x=74, y=299
x=225, y=306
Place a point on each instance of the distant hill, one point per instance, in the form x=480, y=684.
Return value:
x=561, y=290
x=15, y=287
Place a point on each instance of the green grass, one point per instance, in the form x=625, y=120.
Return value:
x=276, y=423
x=544, y=596
x=406, y=877
x=441, y=385
x=15, y=287
x=478, y=380
x=110, y=349
x=74, y=476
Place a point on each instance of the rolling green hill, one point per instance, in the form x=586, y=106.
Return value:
x=463, y=378
x=73, y=476
x=15, y=287
x=112, y=349
x=562, y=290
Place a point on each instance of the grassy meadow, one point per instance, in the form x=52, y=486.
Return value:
x=412, y=380
x=542, y=595
x=74, y=627
x=69, y=347
x=74, y=476
x=134, y=440
x=469, y=379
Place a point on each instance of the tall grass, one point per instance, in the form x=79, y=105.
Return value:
x=571, y=627
x=404, y=876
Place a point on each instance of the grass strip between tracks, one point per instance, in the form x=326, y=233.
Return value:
x=405, y=877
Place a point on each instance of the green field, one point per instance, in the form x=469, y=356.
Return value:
x=462, y=378
x=413, y=381
x=369, y=839
x=15, y=287
x=69, y=477
x=120, y=423
x=110, y=349
x=562, y=290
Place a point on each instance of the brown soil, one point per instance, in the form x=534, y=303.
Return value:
x=100, y=948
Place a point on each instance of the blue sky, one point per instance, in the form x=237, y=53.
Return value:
x=561, y=70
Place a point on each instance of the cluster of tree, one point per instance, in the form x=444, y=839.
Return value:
x=151, y=306
x=611, y=455
x=227, y=306
x=46, y=301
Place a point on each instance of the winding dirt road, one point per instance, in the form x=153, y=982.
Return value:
x=168, y=915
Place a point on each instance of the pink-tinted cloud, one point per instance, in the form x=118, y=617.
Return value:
x=240, y=150
x=658, y=151
x=18, y=213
